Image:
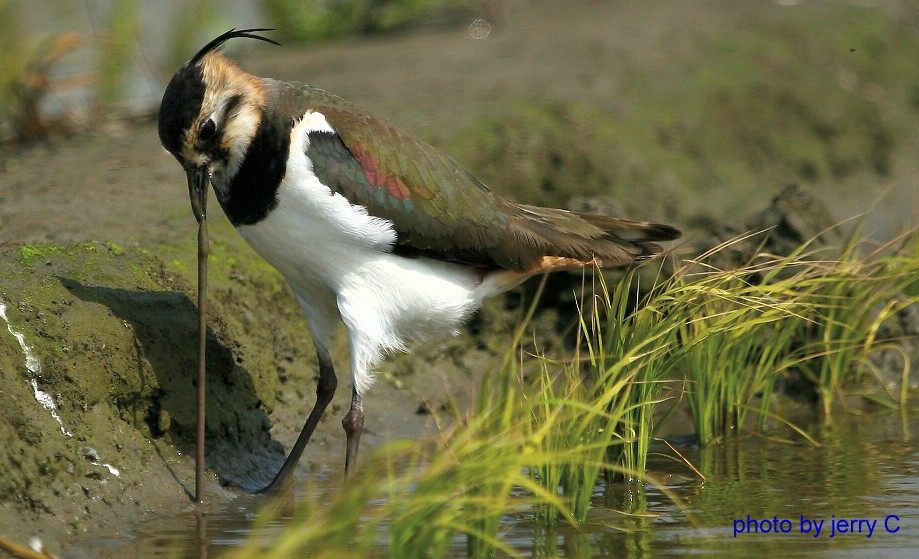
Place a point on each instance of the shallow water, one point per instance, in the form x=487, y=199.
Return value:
x=761, y=497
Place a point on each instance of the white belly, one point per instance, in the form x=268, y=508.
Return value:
x=415, y=297
x=336, y=258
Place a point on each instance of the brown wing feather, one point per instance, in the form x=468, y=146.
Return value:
x=592, y=238
x=441, y=211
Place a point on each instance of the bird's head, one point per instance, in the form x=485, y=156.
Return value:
x=209, y=114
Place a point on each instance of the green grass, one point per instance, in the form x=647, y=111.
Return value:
x=853, y=299
x=545, y=431
x=736, y=338
x=630, y=349
x=744, y=330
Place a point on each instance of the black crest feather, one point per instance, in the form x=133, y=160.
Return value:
x=232, y=34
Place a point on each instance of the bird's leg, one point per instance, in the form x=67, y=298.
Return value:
x=353, y=424
x=325, y=389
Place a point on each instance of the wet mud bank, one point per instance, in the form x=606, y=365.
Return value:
x=97, y=358
x=97, y=392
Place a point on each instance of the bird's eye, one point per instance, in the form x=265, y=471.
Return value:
x=207, y=130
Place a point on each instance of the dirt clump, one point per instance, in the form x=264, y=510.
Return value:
x=98, y=412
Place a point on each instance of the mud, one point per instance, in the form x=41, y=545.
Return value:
x=113, y=332
x=562, y=104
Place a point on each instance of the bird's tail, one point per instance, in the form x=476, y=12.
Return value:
x=640, y=233
x=573, y=240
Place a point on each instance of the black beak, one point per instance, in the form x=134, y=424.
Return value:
x=198, y=179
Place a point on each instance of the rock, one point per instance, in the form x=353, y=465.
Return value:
x=792, y=218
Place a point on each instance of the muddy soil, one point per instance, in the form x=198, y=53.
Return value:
x=97, y=360
x=97, y=272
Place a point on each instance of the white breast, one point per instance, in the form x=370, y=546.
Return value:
x=329, y=249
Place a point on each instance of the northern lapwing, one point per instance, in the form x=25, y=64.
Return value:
x=369, y=225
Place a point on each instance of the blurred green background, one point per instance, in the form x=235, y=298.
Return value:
x=694, y=112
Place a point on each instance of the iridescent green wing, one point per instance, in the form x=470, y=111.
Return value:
x=440, y=210
x=437, y=208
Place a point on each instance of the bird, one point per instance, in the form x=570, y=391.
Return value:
x=370, y=226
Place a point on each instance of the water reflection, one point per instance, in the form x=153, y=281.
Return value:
x=866, y=468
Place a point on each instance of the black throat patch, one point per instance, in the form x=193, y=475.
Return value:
x=253, y=192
